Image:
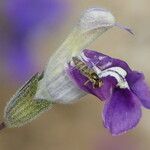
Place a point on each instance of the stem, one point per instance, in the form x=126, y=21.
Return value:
x=2, y=126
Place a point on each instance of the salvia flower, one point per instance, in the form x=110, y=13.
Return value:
x=23, y=20
x=63, y=82
x=123, y=90
x=55, y=84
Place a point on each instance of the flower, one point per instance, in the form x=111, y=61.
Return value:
x=55, y=85
x=25, y=19
x=123, y=90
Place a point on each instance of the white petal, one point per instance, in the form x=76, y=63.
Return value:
x=59, y=89
x=95, y=18
x=118, y=73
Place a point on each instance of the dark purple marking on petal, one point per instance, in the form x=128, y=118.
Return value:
x=122, y=112
x=103, y=61
x=98, y=59
x=139, y=87
x=103, y=93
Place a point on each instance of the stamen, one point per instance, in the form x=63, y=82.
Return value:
x=124, y=28
x=118, y=73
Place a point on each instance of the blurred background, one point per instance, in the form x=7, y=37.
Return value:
x=30, y=31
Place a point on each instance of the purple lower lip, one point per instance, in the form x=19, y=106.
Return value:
x=122, y=110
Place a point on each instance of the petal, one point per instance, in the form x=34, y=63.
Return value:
x=122, y=112
x=100, y=60
x=58, y=89
x=104, y=92
x=103, y=61
x=139, y=87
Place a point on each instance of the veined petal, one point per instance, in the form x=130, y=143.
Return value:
x=122, y=112
x=103, y=61
x=60, y=89
x=139, y=87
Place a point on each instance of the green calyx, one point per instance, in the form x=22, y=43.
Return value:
x=23, y=108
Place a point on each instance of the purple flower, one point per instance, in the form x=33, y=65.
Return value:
x=27, y=15
x=25, y=19
x=123, y=90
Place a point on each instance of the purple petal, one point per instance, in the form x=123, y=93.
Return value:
x=103, y=61
x=139, y=87
x=103, y=93
x=122, y=112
